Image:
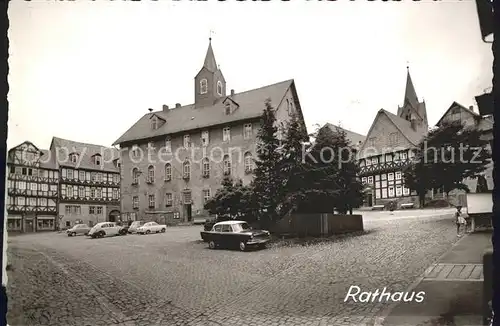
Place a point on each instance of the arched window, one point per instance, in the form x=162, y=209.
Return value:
x=135, y=175
x=205, y=167
x=248, y=161
x=227, y=165
x=168, y=172
x=219, y=87
x=151, y=174
x=186, y=170
x=203, y=86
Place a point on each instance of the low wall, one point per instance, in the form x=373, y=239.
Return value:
x=318, y=224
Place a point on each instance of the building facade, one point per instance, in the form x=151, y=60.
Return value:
x=89, y=182
x=32, y=189
x=174, y=160
x=389, y=148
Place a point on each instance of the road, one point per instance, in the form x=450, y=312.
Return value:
x=174, y=279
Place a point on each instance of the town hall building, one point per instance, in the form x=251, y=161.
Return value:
x=174, y=159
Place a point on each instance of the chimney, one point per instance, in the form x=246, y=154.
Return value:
x=471, y=108
x=177, y=105
x=232, y=92
x=165, y=107
x=150, y=110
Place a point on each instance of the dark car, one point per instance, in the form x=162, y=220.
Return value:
x=235, y=234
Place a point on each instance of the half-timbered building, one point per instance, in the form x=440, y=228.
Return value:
x=89, y=183
x=32, y=189
x=388, y=149
x=174, y=159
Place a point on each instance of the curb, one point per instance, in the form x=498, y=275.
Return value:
x=379, y=320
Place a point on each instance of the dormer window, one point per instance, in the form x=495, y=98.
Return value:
x=203, y=86
x=97, y=159
x=117, y=163
x=227, y=108
x=219, y=88
x=154, y=123
x=73, y=157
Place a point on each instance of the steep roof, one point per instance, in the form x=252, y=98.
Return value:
x=484, y=123
x=46, y=160
x=404, y=127
x=61, y=148
x=353, y=137
x=250, y=105
x=210, y=62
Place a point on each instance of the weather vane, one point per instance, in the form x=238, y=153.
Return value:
x=210, y=36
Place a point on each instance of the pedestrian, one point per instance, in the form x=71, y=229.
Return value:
x=459, y=220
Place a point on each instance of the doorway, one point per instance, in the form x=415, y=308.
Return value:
x=29, y=226
x=188, y=211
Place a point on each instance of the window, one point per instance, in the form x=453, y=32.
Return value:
x=20, y=201
x=87, y=192
x=135, y=151
x=226, y=134
x=219, y=87
x=368, y=162
x=187, y=141
x=374, y=160
x=154, y=122
x=391, y=191
x=384, y=192
x=99, y=193
x=114, y=193
x=168, y=172
x=151, y=146
x=34, y=187
x=187, y=197
x=203, y=86
x=370, y=179
x=206, y=195
x=396, y=156
x=73, y=157
x=99, y=177
x=93, y=176
x=247, y=131
x=135, y=176
x=177, y=215
x=227, y=108
x=377, y=177
x=151, y=201
x=377, y=193
x=99, y=210
x=388, y=157
x=97, y=160
x=92, y=192
x=390, y=176
x=371, y=141
x=151, y=174
x=205, y=167
x=91, y=209
x=227, y=165
x=398, y=175
x=168, y=145
x=393, y=138
x=383, y=176
x=70, y=174
x=81, y=192
x=406, y=191
x=291, y=110
x=404, y=155
x=363, y=179
x=168, y=199
x=69, y=191
x=248, y=161
x=81, y=175
x=399, y=191
x=362, y=163
x=204, y=138
x=186, y=170
x=135, y=202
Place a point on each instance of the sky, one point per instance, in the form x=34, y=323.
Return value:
x=87, y=71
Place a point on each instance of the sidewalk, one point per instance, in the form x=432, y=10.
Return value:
x=452, y=286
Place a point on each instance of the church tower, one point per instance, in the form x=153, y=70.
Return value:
x=209, y=83
x=413, y=110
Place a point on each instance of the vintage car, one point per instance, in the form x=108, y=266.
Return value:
x=134, y=226
x=235, y=234
x=78, y=229
x=152, y=227
x=105, y=229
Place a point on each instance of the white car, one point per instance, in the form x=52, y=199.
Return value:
x=151, y=227
x=134, y=226
x=104, y=229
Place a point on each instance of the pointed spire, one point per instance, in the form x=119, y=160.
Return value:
x=410, y=93
x=210, y=62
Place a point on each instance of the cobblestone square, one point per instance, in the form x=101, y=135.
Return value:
x=174, y=279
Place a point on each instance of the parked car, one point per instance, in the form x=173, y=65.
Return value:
x=78, y=229
x=134, y=226
x=152, y=227
x=124, y=229
x=235, y=234
x=105, y=229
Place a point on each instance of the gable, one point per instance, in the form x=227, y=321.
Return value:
x=458, y=112
x=384, y=136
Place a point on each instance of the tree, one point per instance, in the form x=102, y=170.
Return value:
x=292, y=169
x=267, y=185
x=231, y=201
x=447, y=156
